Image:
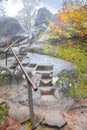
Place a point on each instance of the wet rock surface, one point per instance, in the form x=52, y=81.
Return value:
x=76, y=116
x=54, y=119
x=9, y=30
x=48, y=100
x=58, y=64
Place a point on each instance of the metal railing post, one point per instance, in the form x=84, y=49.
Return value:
x=30, y=86
x=6, y=54
x=31, y=109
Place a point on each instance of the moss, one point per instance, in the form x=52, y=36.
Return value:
x=3, y=72
x=77, y=57
x=1, y=80
x=28, y=125
x=68, y=80
x=50, y=50
x=43, y=127
x=37, y=50
x=3, y=111
x=5, y=77
x=80, y=92
x=46, y=52
x=72, y=52
x=75, y=90
x=58, y=83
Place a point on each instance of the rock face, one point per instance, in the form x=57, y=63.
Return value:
x=7, y=77
x=48, y=100
x=9, y=28
x=58, y=64
x=58, y=121
x=43, y=13
x=41, y=21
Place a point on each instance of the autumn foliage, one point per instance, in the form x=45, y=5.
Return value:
x=71, y=22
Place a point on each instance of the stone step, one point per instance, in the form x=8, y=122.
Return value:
x=48, y=100
x=20, y=57
x=44, y=72
x=47, y=75
x=15, y=63
x=54, y=119
x=13, y=67
x=47, y=90
x=25, y=62
x=45, y=82
x=44, y=67
x=22, y=53
x=32, y=65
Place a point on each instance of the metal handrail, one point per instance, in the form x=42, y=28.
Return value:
x=29, y=81
x=13, y=44
x=6, y=50
x=26, y=75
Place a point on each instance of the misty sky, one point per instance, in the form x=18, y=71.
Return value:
x=14, y=6
x=53, y=3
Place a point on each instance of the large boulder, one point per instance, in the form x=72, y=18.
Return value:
x=42, y=19
x=42, y=15
x=10, y=30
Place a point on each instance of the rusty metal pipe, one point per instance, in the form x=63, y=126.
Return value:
x=14, y=43
x=10, y=46
x=26, y=75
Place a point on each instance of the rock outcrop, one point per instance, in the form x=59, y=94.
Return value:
x=42, y=19
x=43, y=13
x=9, y=30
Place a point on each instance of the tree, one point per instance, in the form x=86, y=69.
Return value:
x=84, y=2
x=75, y=3
x=2, y=8
x=71, y=22
x=27, y=15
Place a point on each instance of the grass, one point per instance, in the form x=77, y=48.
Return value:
x=29, y=125
x=76, y=56
x=75, y=53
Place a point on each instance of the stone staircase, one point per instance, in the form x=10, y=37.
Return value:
x=42, y=76
x=46, y=75
x=45, y=85
x=21, y=52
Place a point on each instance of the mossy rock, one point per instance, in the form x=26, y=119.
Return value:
x=6, y=76
x=18, y=75
x=53, y=41
x=71, y=86
x=37, y=50
x=66, y=82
